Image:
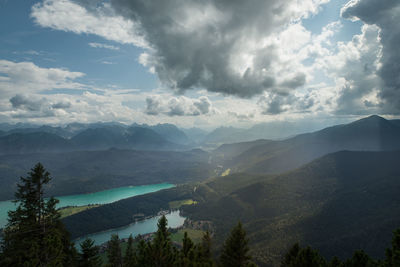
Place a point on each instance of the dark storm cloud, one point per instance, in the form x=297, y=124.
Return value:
x=386, y=15
x=196, y=43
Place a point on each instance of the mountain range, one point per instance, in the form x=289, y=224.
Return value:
x=373, y=133
x=335, y=189
x=175, y=138
x=100, y=137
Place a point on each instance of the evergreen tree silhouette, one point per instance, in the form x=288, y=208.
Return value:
x=89, y=256
x=34, y=235
x=235, y=252
x=114, y=252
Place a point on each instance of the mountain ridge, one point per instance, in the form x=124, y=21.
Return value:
x=372, y=133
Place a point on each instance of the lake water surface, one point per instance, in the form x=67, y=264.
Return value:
x=102, y=197
x=142, y=227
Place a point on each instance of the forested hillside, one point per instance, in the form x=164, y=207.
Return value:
x=339, y=203
x=91, y=171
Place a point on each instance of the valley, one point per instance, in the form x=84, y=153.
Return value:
x=335, y=189
x=138, y=133
x=82, y=201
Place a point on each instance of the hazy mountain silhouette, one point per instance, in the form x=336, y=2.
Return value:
x=276, y=130
x=55, y=139
x=196, y=135
x=170, y=132
x=32, y=142
x=224, y=135
x=369, y=134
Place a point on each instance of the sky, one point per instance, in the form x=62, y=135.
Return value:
x=198, y=63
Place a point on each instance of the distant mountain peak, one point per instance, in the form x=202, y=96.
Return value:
x=371, y=118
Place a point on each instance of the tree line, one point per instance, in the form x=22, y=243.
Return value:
x=35, y=236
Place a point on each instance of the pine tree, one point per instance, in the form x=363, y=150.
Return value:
x=393, y=254
x=335, y=262
x=202, y=252
x=143, y=249
x=34, y=235
x=186, y=255
x=235, y=252
x=90, y=254
x=360, y=259
x=206, y=245
x=187, y=245
x=114, y=252
x=303, y=257
x=130, y=256
x=160, y=250
x=291, y=255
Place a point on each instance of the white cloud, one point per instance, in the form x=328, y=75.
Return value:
x=26, y=77
x=106, y=46
x=354, y=69
x=220, y=47
x=384, y=14
x=66, y=15
x=240, y=49
x=107, y=62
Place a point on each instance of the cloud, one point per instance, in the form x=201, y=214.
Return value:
x=26, y=77
x=237, y=49
x=242, y=116
x=222, y=46
x=355, y=69
x=178, y=106
x=28, y=52
x=29, y=93
x=274, y=104
x=22, y=102
x=385, y=14
x=30, y=107
x=153, y=105
x=33, y=106
x=97, y=18
x=61, y=105
x=107, y=62
x=106, y=46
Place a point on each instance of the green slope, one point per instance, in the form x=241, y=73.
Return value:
x=339, y=203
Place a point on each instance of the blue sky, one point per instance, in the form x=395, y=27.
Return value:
x=193, y=65
x=23, y=40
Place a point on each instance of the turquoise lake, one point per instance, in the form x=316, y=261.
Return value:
x=142, y=227
x=102, y=197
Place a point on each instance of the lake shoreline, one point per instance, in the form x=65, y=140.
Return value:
x=96, y=198
x=149, y=222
